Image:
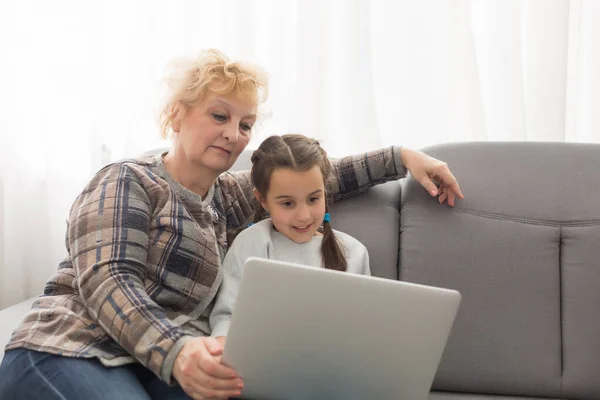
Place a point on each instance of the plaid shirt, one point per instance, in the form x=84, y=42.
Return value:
x=144, y=257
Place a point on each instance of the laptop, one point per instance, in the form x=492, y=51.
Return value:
x=300, y=333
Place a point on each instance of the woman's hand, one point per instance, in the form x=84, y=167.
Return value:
x=199, y=371
x=221, y=340
x=432, y=173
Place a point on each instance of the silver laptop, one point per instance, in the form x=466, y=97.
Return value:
x=302, y=333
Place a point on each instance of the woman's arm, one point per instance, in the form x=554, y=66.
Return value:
x=355, y=174
x=350, y=175
x=108, y=240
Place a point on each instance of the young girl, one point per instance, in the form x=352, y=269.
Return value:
x=289, y=174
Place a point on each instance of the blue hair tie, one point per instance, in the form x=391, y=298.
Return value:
x=327, y=218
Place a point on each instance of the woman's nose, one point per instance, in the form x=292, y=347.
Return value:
x=231, y=133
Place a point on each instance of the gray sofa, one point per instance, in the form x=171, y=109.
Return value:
x=523, y=248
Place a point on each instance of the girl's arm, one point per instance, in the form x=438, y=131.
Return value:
x=220, y=316
x=366, y=269
x=253, y=242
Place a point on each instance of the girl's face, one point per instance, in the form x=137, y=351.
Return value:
x=296, y=202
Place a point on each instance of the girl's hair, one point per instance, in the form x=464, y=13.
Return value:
x=211, y=73
x=298, y=153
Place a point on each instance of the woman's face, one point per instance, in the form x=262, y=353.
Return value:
x=213, y=133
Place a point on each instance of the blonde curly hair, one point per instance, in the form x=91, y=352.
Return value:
x=211, y=73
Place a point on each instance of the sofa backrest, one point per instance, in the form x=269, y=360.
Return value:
x=523, y=248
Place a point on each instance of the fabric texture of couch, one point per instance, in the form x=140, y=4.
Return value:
x=523, y=249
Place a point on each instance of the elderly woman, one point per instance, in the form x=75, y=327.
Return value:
x=126, y=314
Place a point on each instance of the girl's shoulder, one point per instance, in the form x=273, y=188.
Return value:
x=356, y=253
x=254, y=233
x=350, y=242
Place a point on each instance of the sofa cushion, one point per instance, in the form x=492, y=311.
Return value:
x=522, y=248
x=10, y=318
x=373, y=218
x=464, y=396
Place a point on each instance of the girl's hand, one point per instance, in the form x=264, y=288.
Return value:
x=199, y=371
x=431, y=173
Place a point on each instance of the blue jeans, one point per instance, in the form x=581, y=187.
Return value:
x=32, y=375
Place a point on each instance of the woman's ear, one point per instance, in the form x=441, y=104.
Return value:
x=176, y=125
x=176, y=115
x=260, y=199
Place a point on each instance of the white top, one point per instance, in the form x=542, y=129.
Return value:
x=262, y=240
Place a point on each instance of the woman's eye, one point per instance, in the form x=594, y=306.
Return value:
x=287, y=204
x=313, y=199
x=219, y=117
x=246, y=127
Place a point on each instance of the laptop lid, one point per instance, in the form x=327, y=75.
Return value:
x=301, y=332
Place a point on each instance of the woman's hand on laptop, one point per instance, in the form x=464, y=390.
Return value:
x=221, y=340
x=199, y=371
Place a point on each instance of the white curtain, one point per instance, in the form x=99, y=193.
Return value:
x=80, y=86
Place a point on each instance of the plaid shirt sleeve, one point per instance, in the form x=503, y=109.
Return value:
x=239, y=201
x=108, y=240
x=354, y=174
